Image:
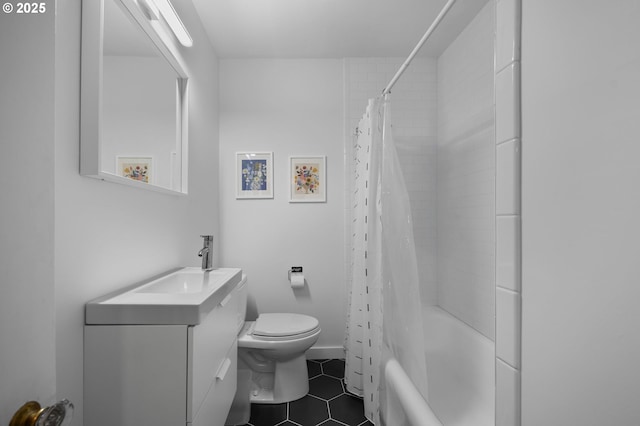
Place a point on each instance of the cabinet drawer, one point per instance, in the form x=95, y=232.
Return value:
x=209, y=344
x=218, y=400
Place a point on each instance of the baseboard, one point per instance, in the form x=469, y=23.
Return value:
x=325, y=352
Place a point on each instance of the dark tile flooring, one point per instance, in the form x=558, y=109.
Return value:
x=326, y=404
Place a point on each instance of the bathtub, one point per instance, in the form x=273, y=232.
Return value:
x=460, y=369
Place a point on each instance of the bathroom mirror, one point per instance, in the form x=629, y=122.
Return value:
x=134, y=98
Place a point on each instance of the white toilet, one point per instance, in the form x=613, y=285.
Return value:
x=273, y=349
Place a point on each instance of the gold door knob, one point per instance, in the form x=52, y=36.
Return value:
x=32, y=414
x=27, y=415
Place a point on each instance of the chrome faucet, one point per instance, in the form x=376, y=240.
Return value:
x=206, y=253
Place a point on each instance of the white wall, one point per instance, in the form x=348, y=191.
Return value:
x=414, y=116
x=580, y=210
x=466, y=176
x=109, y=235
x=288, y=107
x=27, y=334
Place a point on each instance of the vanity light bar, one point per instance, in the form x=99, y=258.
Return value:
x=150, y=9
x=156, y=7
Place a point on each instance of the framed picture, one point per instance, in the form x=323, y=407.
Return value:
x=307, y=179
x=135, y=168
x=254, y=175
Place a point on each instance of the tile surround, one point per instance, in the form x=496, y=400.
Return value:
x=508, y=30
x=465, y=176
x=507, y=395
x=508, y=221
x=508, y=243
x=508, y=326
x=507, y=87
x=507, y=203
x=508, y=178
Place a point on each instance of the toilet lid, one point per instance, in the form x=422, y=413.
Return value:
x=278, y=325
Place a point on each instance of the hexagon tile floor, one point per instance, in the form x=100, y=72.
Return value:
x=326, y=404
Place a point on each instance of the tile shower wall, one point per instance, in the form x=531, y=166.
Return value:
x=365, y=77
x=508, y=243
x=414, y=108
x=466, y=176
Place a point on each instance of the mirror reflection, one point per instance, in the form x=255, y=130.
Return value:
x=141, y=115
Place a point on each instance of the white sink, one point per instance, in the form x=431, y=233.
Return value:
x=182, y=296
x=185, y=281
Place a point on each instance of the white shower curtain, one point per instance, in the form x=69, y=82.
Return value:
x=364, y=323
x=384, y=318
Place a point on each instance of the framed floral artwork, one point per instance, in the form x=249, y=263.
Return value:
x=135, y=168
x=307, y=179
x=254, y=175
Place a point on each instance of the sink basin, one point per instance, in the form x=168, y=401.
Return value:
x=180, y=296
x=184, y=281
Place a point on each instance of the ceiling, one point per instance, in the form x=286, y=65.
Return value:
x=329, y=28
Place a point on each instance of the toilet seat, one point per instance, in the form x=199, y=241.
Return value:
x=283, y=325
x=277, y=328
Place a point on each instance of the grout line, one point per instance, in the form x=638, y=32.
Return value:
x=509, y=290
x=325, y=400
x=517, y=139
x=507, y=66
x=508, y=363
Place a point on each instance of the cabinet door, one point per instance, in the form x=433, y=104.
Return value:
x=135, y=375
x=209, y=343
x=218, y=399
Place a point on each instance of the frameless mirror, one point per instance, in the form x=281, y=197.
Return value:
x=134, y=99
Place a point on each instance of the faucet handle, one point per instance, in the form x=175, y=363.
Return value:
x=207, y=238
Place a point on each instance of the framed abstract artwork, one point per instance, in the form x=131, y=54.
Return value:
x=254, y=175
x=136, y=168
x=307, y=179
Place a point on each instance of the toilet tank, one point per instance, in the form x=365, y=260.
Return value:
x=240, y=295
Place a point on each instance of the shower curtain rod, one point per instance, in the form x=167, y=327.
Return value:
x=424, y=38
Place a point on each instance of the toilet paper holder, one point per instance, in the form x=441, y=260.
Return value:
x=294, y=269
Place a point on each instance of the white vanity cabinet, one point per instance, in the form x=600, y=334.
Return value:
x=162, y=374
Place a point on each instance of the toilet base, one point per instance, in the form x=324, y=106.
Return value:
x=289, y=381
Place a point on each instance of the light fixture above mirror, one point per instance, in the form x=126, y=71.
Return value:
x=157, y=8
x=134, y=94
